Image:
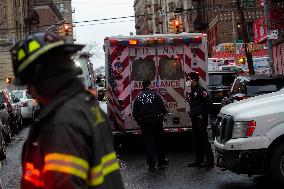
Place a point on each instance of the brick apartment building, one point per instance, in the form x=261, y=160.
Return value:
x=153, y=16
x=217, y=18
x=19, y=18
x=14, y=25
x=65, y=8
x=224, y=24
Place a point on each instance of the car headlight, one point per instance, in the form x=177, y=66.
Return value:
x=243, y=129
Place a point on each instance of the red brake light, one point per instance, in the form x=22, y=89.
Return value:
x=251, y=128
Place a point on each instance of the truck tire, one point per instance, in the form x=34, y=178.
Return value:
x=276, y=165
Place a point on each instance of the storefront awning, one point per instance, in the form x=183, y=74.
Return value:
x=231, y=55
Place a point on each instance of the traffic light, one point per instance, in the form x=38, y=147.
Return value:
x=61, y=31
x=179, y=27
x=172, y=28
x=242, y=60
x=8, y=80
x=175, y=26
x=67, y=29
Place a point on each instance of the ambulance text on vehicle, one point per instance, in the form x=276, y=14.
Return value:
x=165, y=59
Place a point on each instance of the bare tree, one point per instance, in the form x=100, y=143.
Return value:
x=93, y=50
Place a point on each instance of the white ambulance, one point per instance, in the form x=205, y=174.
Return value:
x=165, y=59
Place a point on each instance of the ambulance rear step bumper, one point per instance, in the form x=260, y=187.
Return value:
x=166, y=130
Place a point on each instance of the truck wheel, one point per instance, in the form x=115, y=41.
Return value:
x=276, y=165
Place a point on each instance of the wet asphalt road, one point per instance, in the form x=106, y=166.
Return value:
x=11, y=167
x=177, y=175
x=134, y=168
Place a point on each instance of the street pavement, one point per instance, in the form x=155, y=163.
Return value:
x=134, y=170
x=177, y=175
x=11, y=169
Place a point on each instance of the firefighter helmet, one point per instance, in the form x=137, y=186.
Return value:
x=26, y=52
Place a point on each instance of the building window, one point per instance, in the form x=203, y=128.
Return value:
x=171, y=7
x=61, y=7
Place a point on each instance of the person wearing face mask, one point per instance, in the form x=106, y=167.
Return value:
x=200, y=105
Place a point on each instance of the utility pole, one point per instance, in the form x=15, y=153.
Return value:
x=269, y=41
x=235, y=36
x=246, y=39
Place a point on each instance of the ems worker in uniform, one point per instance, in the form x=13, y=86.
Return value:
x=200, y=104
x=70, y=143
x=148, y=112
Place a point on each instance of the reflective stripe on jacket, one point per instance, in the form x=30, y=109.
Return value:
x=70, y=145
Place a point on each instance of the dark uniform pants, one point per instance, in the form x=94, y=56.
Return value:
x=152, y=133
x=200, y=139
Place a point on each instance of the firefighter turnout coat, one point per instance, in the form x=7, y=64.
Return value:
x=70, y=145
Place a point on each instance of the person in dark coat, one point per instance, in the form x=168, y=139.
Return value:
x=148, y=112
x=70, y=144
x=200, y=104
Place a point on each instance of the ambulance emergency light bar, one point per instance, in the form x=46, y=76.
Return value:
x=154, y=41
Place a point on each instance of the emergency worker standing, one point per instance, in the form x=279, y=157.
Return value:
x=148, y=112
x=70, y=143
x=200, y=104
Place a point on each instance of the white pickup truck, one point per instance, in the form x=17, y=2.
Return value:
x=250, y=136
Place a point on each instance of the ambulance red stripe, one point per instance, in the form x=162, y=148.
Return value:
x=200, y=53
x=187, y=60
x=180, y=91
x=117, y=52
x=168, y=97
x=149, y=57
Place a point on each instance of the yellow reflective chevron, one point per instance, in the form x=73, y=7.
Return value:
x=33, y=45
x=38, y=53
x=108, y=165
x=99, y=117
x=21, y=54
x=65, y=163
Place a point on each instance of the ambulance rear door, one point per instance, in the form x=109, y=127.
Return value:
x=143, y=66
x=171, y=85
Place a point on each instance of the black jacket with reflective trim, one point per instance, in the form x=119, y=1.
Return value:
x=199, y=101
x=70, y=145
x=148, y=106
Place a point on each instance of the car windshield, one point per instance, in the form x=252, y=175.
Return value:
x=253, y=90
x=2, y=98
x=218, y=79
x=18, y=94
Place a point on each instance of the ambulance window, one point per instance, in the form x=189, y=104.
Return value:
x=143, y=69
x=170, y=69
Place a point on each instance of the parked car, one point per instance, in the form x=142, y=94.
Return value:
x=2, y=144
x=13, y=108
x=6, y=123
x=27, y=103
x=219, y=85
x=253, y=85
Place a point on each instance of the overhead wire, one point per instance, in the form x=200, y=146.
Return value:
x=217, y=8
